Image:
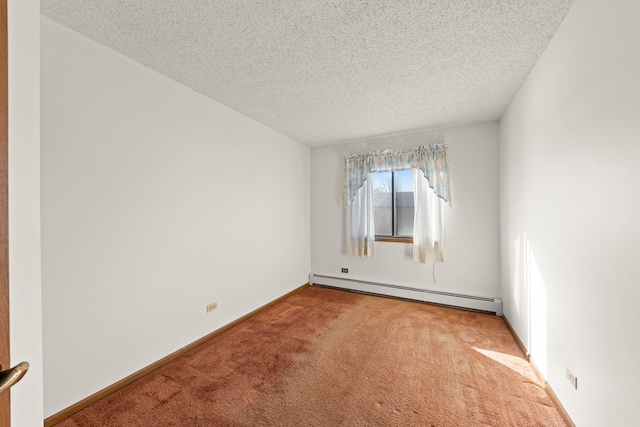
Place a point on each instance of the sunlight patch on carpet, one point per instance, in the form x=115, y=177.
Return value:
x=515, y=363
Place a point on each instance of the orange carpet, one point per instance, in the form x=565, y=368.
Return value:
x=326, y=357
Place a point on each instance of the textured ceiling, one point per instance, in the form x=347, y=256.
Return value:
x=328, y=71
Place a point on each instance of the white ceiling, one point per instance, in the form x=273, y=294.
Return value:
x=323, y=71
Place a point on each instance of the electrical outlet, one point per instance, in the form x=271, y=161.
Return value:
x=212, y=307
x=572, y=379
x=345, y=270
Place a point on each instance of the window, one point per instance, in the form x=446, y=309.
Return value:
x=429, y=168
x=393, y=206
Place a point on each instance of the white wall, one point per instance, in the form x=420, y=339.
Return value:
x=24, y=208
x=570, y=212
x=156, y=201
x=471, y=226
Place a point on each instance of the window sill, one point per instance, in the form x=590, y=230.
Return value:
x=395, y=239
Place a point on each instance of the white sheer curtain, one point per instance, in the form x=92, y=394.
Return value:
x=428, y=221
x=360, y=229
x=432, y=190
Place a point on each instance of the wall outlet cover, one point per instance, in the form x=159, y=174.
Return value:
x=572, y=379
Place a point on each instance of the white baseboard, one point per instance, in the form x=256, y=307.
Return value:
x=469, y=302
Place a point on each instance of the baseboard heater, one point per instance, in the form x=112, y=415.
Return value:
x=469, y=302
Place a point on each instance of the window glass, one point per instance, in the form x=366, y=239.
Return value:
x=382, y=203
x=404, y=202
x=393, y=203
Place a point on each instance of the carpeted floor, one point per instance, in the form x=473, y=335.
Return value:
x=326, y=357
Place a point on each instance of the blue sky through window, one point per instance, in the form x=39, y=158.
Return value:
x=404, y=180
x=382, y=181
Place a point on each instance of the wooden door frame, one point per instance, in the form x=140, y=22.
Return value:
x=5, y=400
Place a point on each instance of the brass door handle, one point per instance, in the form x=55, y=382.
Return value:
x=11, y=376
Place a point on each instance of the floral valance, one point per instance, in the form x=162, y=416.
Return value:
x=430, y=159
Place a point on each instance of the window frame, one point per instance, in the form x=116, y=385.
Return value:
x=394, y=238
